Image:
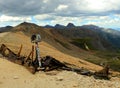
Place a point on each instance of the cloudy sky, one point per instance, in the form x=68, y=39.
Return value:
x=104, y=13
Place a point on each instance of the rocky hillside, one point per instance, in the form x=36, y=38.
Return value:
x=57, y=46
x=52, y=44
x=66, y=45
x=111, y=35
x=94, y=41
x=99, y=38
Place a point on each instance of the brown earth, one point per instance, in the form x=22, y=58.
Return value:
x=16, y=76
x=14, y=40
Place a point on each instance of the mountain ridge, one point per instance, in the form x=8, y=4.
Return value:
x=77, y=43
x=106, y=34
x=101, y=38
x=5, y=29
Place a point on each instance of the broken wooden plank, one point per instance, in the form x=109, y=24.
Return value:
x=19, y=52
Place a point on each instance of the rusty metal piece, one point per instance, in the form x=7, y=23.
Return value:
x=32, y=53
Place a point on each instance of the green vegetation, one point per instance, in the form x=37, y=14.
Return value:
x=115, y=64
x=83, y=42
x=112, y=58
x=63, y=44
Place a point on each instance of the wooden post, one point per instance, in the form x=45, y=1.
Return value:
x=3, y=49
x=20, y=50
x=31, y=53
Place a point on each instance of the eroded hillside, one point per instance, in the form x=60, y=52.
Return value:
x=54, y=44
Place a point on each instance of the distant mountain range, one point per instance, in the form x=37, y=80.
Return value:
x=92, y=36
x=5, y=29
x=101, y=38
x=59, y=26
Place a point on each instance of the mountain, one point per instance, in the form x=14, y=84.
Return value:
x=5, y=29
x=57, y=46
x=58, y=26
x=74, y=46
x=110, y=35
x=99, y=38
x=48, y=26
x=53, y=44
x=70, y=25
x=84, y=35
x=113, y=37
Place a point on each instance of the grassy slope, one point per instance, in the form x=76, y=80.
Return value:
x=53, y=44
x=14, y=40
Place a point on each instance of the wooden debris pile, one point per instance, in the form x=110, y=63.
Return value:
x=48, y=63
x=104, y=73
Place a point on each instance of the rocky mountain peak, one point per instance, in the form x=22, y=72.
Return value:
x=70, y=25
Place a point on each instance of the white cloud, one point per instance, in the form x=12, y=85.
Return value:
x=42, y=16
x=10, y=20
x=61, y=7
x=4, y=18
x=61, y=11
x=45, y=1
x=66, y=20
x=72, y=7
x=105, y=21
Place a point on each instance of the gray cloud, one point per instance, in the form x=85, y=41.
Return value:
x=73, y=7
x=19, y=7
x=28, y=7
x=98, y=12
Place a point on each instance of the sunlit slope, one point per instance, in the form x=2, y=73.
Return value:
x=14, y=40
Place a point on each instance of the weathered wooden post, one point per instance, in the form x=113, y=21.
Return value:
x=20, y=51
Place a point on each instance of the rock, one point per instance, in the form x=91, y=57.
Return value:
x=59, y=78
x=15, y=77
